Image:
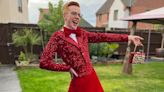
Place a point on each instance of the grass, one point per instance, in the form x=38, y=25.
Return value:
x=147, y=77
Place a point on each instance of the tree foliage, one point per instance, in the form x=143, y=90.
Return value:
x=53, y=20
x=103, y=49
x=159, y=27
x=25, y=38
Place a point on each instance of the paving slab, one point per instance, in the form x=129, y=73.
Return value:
x=8, y=79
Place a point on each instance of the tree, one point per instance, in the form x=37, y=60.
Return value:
x=20, y=38
x=53, y=20
x=127, y=66
x=34, y=39
x=25, y=38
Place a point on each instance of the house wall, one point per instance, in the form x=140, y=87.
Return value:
x=104, y=20
x=143, y=6
x=122, y=12
x=138, y=7
x=10, y=13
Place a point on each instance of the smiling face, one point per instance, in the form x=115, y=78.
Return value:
x=72, y=17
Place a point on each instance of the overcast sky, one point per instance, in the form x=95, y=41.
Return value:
x=88, y=9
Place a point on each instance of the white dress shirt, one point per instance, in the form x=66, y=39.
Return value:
x=73, y=36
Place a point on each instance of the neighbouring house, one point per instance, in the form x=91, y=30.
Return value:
x=83, y=22
x=110, y=13
x=14, y=11
x=102, y=15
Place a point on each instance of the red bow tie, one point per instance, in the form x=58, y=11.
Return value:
x=68, y=31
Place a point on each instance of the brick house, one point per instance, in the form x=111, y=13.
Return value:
x=111, y=12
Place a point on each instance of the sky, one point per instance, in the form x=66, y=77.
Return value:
x=88, y=9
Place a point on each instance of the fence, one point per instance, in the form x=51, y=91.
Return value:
x=8, y=52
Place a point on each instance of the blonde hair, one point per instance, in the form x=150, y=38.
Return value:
x=71, y=3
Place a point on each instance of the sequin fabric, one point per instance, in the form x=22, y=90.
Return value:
x=74, y=55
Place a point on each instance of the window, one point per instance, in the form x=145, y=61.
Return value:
x=20, y=6
x=115, y=15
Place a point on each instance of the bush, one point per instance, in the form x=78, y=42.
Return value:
x=103, y=49
x=22, y=57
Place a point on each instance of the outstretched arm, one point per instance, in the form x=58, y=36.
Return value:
x=106, y=37
x=111, y=37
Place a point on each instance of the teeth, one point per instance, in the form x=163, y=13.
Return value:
x=75, y=22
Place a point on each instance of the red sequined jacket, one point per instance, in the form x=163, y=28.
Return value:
x=75, y=55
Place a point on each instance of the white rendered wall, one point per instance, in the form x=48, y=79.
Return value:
x=122, y=12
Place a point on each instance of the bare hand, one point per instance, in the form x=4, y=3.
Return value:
x=136, y=40
x=73, y=72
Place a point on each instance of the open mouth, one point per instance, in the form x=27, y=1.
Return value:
x=75, y=22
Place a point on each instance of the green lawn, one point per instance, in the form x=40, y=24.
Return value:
x=148, y=77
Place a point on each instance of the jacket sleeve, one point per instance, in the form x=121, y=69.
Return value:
x=46, y=60
x=106, y=37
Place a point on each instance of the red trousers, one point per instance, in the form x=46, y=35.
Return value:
x=88, y=83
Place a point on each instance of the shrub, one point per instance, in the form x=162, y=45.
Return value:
x=22, y=57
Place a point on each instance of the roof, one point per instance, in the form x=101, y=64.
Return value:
x=128, y=3
x=155, y=16
x=42, y=12
x=146, y=3
x=84, y=23
x=105, y=7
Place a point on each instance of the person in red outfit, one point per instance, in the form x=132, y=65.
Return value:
x=71, y=43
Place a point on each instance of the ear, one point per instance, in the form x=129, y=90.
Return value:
x=65, y=16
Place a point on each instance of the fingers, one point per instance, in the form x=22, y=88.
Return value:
x=138, y=44
x=131, y=37
x=138, y=37
x=73, y=72
x=136, y=40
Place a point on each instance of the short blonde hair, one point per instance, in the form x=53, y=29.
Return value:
x=71, y=3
